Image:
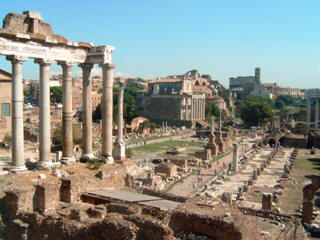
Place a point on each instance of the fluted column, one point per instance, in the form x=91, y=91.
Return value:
x=308, y=112
x=203, y=109
x=18, y=162
x=107, y=111
x=235, y=157
x=67, y=114
x=45, y=134
x=86, y=111
x=316, y=115
x=198, y=109
x=120, y=153
x=192, y=109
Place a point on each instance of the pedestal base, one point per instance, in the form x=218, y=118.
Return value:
x=48, y=165
x=18, y=169
x=68, y=160
x=86, y=157
x=108, y=160
x=119, y=152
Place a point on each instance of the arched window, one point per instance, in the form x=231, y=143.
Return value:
x=197, y=83
x=204, y=84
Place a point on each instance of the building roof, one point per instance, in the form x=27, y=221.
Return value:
x=163, y=80
x=5, y=76
x=269, y=84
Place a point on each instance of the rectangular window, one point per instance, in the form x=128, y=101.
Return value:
x=5, y=109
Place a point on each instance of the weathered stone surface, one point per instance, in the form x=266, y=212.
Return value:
x=213, y=227
x=18, y=198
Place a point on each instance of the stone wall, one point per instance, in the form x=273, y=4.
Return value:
x=163, y=109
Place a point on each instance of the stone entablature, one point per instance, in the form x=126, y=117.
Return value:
x=25, y=36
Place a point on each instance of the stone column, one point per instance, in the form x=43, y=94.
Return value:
x=235, y=157
x=67, y=114
x=18, y=162
x=220, y=120
x=316, y=115
x=107, y=111
x=308, y=112
x=120, y=150
x=45, y=124
x=199, y=108
x=86, y=111
x=204, y=109
x=267, y=201
x=192, y=109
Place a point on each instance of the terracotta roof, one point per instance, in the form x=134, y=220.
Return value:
x=4, y=75
x=163, y=80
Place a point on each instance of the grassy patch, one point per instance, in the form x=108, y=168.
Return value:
x=303, y=169
x=159, y=147
x=93, y=164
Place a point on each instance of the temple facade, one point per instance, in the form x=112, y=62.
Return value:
x=25, y=36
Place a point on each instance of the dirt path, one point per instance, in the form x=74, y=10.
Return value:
x=190, y=184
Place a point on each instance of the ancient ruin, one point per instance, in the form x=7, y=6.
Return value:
x=171, y=173
x=25, y=36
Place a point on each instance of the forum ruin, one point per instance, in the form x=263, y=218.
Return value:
x=196, y=177
x=26, y=36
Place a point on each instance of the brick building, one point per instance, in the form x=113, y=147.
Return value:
x=5, y=103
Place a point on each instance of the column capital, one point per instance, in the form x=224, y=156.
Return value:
x=66, y=63
x=86, y=65
x=17, y=58
x=108, y=66
x=41, y=61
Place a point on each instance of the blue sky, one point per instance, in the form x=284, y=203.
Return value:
x=223, y=38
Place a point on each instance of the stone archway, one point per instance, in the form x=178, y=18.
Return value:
x=308, y=194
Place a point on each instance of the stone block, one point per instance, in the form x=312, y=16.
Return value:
x=18, y=198
x=267, y=201
x=47, y=196
x=69, y=190
x=227, y=197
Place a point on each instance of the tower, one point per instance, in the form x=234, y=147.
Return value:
x=257, y=75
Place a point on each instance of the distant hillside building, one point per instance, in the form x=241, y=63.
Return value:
x=5, y=103
x=181, y=99
x=242, y=86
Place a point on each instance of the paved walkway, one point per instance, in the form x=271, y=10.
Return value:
x=191, y=185
x=164, y=139
x=134, y=197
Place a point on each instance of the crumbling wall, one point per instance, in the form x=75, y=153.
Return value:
x=183, y=221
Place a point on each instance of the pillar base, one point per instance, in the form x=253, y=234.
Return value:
x=119, y=152
x=48, y=165
x=68, y=160
x=108, y=160
x=88, y=155
x=18, y=169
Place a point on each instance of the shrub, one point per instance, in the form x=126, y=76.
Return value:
x=93, y=164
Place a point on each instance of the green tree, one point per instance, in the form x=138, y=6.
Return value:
x=213, y=111
x=129, y=106
x=254, y=110
x=288, y=100
x=279, y=104
x=56, y=94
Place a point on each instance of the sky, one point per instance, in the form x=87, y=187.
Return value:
x=155, y=38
